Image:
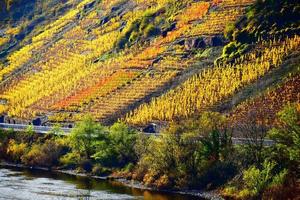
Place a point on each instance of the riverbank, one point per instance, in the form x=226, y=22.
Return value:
x=128, y=183
x=120, y=154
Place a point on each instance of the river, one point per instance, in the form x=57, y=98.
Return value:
x=22, y=184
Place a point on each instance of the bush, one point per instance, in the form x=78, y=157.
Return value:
x=258, y=180
x=233, y=50
x=86, y=165
x=15, y=150
x=4, y=139
x=133, y=37
x=265, y=20
x=229, y=29
x=140, y=29
x=245, y=194
x=129, y=34
x=163, y=182
x=229, y=191
x=216, y=174
x=100, y=171
x=118, y=148
x=160, y=158
x=46, y=154
x=129, y=167
x=70, y=160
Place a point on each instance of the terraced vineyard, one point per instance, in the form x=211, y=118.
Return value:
x=109, y=58
x=214, y=85
x=268, y=104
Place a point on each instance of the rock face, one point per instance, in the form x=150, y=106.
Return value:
x=201, y=42
x=194, y=43
x=214, y=41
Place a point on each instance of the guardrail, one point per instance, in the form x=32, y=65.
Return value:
x=37, y=129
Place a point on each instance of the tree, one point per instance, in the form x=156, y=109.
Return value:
x=85, y=136
x=29, y=130
x=118, y=148
x=258, y=180
x=254, y=129
x=217, y=145
x=286, y=150
x=56, y=130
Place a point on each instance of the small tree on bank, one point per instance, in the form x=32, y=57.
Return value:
x=85, y=136
x=118, y=148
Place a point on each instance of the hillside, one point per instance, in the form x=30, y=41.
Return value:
x=139, y=61
x=195, y=97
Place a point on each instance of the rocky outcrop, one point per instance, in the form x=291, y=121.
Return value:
x=200, y=42
x=194, y=43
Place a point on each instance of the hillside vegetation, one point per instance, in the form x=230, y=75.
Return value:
x=119, y=48
x=141, y=61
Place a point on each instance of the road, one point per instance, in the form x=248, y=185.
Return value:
x=37, y=129
x=46, y=129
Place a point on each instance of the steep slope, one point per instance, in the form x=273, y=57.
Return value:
x=265, y=106
x=213, y=86
x=107, y=58
x=87, y=46
x=21, y=20
x=263, y=31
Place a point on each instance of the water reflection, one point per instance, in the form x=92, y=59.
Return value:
x=25, y=184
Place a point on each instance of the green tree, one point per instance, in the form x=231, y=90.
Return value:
x=56, y=130
x=29, y=134
x=258, y=180
x=286, y=150
x=117, y=149
x=217, y=145
x=29, y=130
x=85, y=136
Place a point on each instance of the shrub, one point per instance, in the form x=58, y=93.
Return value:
x=118, y=148
x=100, y=170
x=15, y=150
x=134, y=36
x=161, y=157
x=70, y=160
x=129, y=167
x=245, y=194
x=233, y=50
x=229, y=29
x=131, y=29
x=4, y=138
x=216, y=174
x=257, y=180
x=46, y=154
x=229, y=191
x=34, y=156
x=266, y=19
x=86, y=165
x=163, y=182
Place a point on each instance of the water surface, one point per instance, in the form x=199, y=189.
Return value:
x=23, y=184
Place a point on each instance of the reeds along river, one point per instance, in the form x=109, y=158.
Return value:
x=24, y=184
